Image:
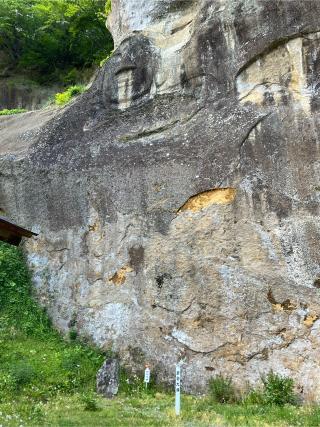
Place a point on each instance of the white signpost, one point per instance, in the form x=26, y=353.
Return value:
x=147, y=375
x=178, y=386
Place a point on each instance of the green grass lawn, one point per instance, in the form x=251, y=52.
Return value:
x=149, y=410
x=47, y=380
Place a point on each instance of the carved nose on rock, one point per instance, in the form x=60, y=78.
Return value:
x=125, y=79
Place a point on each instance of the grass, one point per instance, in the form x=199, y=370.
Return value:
x=222, y=390
x=46, y=380
x=7, y=112
x=151, y=410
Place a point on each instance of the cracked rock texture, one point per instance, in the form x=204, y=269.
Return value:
x=177, y=200
x=108, y=378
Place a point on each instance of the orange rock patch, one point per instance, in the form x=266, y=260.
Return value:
x=217, y=196
x=120, y=276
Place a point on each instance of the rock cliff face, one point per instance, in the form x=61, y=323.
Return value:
x=177, y=200
x=17, y=93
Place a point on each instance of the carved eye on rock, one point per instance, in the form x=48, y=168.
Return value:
x=129, y=74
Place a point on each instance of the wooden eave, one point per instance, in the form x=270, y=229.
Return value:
x=12, y=233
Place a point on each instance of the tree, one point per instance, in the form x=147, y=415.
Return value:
x=14, y=20
x=48, y=38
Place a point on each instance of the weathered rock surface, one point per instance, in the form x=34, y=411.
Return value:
x=108, y=378
x=177, y=200
x=16, y=92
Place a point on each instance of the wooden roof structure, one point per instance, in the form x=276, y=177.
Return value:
x=12, y=233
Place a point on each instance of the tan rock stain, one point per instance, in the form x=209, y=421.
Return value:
x=277, y=307
x=280, y=306
x=94, y=227
x=120, y=276
x=217, y=196
x=310, y=320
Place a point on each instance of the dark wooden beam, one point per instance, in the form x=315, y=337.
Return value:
x=12, y=233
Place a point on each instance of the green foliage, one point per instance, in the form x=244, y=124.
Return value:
x=90, y=402
x=133, y=384
x=106, y=59
x=35, y=362
x=108, y=7
x=278, y=390
x=17, y=308
x=254, y=397
x=64, y=97
x=73, y=334
x=49, y=38
x=7, y=112
x=22, y=373
x=72, y=77
x=155, y=411
x=13, y=23
x=222, y=390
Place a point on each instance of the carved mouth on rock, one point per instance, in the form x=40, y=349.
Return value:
x=125, y=68
x=181, y=27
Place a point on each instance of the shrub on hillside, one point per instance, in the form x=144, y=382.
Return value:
x=64, y=97
x=254, y=397
x=278, y=390
x=22, y=373
x=222, y=390
x=89, y=402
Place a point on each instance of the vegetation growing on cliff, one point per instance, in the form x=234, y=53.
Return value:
x=7, y=112
x=66, y=96
x=36, y=364
x=51, y=40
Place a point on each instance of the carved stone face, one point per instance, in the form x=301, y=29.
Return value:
x=130, y=73
x=150, y=62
